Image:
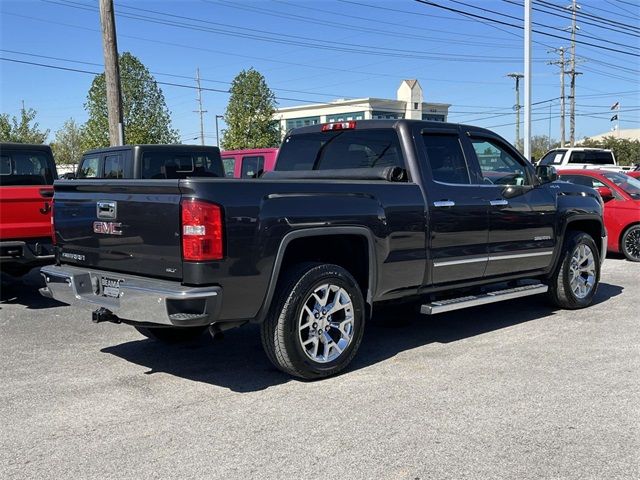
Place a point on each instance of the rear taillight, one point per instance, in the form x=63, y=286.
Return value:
x=53, y=226
x=328, y=127
x=201, y=231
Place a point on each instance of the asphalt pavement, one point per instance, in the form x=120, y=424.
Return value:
x=515, y=390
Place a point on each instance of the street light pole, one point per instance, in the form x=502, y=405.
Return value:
x=527, y=79
x=217, y=132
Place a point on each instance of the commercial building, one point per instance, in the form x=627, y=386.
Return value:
x=409, y=104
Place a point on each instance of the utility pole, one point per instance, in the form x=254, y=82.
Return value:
x=516, y=107
x=527, y=79
x=572, y=108
x=200, y=111
x=112, y=73
x=561, y=63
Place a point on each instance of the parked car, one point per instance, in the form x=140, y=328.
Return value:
x=355, y=214
x=621, y=195
x=249, y=163
x=581, y=157
x=151, y=162
x=27, y=173
x=634, y=173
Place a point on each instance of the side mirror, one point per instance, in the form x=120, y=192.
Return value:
x=605, y=193
x=546, y=173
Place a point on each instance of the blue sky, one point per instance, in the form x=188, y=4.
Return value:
x=316, y=51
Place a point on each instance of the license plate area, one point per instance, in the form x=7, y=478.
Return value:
x=110, y=287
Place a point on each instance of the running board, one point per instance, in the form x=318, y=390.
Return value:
x=442, y=306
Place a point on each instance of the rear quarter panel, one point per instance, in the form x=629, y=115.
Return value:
x=259, y=213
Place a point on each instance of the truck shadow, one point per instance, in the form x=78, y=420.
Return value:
x=238, y=363
x=24, y=291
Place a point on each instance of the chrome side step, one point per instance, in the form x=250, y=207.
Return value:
x=442, y=306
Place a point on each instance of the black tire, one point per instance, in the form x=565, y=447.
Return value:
x=171, y=334
x=560, y=291
x=280, y=330
x=630, y=243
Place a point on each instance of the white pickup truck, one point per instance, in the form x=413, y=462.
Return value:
x=581, y=157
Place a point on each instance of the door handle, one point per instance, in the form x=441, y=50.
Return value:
x=498, y=203
x=444, y=203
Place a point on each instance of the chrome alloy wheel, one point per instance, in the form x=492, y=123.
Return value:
x=325, y=326
x=582, y=271
x=632, y=243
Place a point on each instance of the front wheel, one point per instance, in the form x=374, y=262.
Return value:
x=316, y=322
x=171, y=334
x=630, y=244
x=577, y=275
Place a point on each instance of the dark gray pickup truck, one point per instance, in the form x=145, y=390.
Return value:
x=355, y=214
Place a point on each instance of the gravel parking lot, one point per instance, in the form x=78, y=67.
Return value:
x=512, y=390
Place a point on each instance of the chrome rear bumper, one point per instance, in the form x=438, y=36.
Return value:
x=135, y=299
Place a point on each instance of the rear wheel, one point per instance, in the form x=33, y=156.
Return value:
x=171, y=334
x=576, y=277
x=630, y=244
x=316, y=322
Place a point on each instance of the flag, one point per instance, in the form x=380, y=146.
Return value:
x=615, y=105
x=615, y=117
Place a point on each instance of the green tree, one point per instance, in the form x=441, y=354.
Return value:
x=249, y=114
x=146, y=116
x=541, y=144
x=627, y=151
x=20, y=130
x=68, y=145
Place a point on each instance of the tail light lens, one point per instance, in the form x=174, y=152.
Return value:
x=53, y=225
x=201, y=231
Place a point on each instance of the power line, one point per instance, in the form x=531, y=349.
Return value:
x=560, y=14
x=590, y=15
x=520, y=27
x=296, y=40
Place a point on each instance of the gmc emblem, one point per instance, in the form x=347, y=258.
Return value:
x=107, y=228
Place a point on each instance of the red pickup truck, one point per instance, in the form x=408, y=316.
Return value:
x=27, y=173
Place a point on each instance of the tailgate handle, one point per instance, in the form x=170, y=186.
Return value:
x=107, y=210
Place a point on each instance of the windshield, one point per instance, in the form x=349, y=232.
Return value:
x=629, y=184
x=554, y=157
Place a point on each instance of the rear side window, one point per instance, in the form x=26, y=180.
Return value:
x=340, y=150
x=229, y=164
x=89, y=167
x=600, y=158
x=25, y=168
x=114, y=166
x=446, y=159
x=164, y=165
x=578, y=157
x=252, y=167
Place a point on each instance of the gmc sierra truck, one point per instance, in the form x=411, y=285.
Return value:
x=355, y=214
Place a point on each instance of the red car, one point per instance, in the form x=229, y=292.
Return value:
x=634, y=174
x=27, y=173
x=249, y=163
x=621, y=196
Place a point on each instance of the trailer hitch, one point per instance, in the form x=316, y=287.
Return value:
x=103, y=315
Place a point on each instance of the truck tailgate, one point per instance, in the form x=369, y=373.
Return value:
x=120, y=225
x=25, y=212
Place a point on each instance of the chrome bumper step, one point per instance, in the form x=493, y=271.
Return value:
x=442, y=306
